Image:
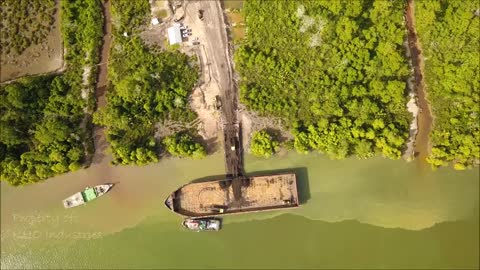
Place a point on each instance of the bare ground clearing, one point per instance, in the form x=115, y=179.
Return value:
x=213, y=56
x=156, y=35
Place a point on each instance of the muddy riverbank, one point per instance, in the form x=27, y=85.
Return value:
x=424, y=119
x=99, y=137
x=43, y=58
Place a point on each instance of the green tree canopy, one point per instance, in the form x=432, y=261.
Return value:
x=262, y=144
x=183, y=145
x=334, y=71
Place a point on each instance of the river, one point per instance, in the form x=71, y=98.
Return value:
x=374, y=213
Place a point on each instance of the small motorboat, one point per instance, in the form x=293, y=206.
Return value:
x=202, y=224
x=88, y=195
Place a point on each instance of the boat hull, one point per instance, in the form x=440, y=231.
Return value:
x=217, y=198
x=89, y=194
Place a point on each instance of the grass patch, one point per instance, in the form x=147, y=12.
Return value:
x=162, y=14
x=235, y=18
x=238, y=33
x=233, y=4
x=237, y=21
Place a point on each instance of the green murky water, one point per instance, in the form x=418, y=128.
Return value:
x=374, y=213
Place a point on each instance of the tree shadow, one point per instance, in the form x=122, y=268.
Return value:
x=211, y=145
x=276, y=134
x=100, y=145
x=211, y=178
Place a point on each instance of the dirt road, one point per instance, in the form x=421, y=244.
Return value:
x=422, y=143
x=218, y=63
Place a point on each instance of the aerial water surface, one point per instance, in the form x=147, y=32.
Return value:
x=374, y=213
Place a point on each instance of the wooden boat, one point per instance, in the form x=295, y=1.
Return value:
x=88, y=195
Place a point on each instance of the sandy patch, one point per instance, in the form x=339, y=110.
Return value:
x=85, y=77
x=412, y=108
x=424, y=118
x=203, y=103
x=160, y=9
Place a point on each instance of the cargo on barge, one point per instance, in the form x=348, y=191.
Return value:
x=215, y=198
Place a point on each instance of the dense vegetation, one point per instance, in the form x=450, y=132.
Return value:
x=82, y=31
x=24, y=23
x=183, y=145
x=263, y=145
x=147, y=86
x=449, y=32
x=129, y=16
x=40, y=134
x=334, y=70
x=42, y=119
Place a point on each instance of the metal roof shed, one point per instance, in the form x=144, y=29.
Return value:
x=174, y=35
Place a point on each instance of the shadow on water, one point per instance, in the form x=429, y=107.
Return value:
x=211, y=145
x=210, y=178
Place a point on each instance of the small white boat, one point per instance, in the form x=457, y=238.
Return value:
x=89, y=194
x=202, y=224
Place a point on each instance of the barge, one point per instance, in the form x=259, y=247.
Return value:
x=215, y=198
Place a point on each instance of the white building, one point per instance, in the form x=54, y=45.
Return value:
x=155, y=21
x=174, y=34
